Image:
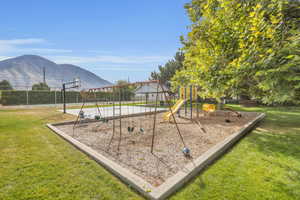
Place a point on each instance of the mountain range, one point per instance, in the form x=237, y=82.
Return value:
x=26, y=70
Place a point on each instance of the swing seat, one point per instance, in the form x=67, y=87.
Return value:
x=97, y=117
x=81, y=115
x=130, y=129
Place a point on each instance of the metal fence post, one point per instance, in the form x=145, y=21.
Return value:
x=27, y=98
x=64, y=97
x=54, y=96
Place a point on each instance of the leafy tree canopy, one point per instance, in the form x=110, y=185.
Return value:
x=5, y=85
x=238, y=47
x=41, y=86
x=167, y=71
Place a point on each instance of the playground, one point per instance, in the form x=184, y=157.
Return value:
x=167, y=158
x=154, y=139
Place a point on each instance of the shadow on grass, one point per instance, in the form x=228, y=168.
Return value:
x=278, y=140
x=287, y=144
x=282, y=151
x=287, y=185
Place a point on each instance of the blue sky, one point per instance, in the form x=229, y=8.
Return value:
x=113, y=39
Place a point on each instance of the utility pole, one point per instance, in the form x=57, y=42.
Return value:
x=44, y=75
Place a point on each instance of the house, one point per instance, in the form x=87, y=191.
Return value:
x=149, y=91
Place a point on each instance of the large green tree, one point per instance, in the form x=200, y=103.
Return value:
x=166, y=72
x=41, y=86
x=238, y=47
x=5, y=85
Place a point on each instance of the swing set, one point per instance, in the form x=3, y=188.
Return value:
x=118, y=105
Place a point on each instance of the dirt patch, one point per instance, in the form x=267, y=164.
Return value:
x=167, y=158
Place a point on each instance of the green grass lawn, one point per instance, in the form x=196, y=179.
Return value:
x=37, y=164
x=264, y=165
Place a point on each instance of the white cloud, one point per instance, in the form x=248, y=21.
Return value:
x=6, y=48
x=98, y=51
x=122, y=67
x=22, y=41
x=110, y=59
x=44, y=50
x=107, y=59
x=127, y=69
x=16, y=46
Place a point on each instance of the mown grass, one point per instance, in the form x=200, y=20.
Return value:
x=264, y=165
x=37, y=164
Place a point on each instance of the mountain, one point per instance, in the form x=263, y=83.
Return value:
x=27, y=70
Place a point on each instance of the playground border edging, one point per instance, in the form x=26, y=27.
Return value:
x=173, y=183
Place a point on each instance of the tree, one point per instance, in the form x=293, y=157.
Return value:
x=5, y=85
x=167, y=71
x=41, y=86
x=248, y=48
x=127, y=91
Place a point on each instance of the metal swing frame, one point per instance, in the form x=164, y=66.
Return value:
x=118, y=103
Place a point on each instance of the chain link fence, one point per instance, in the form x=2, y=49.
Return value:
x=24, y=95
x=34, y=97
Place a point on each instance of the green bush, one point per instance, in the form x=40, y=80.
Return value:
x=12, y=97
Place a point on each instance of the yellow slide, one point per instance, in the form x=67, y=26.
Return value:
x=174, y=109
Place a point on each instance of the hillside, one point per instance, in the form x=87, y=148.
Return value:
x=27, y=70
